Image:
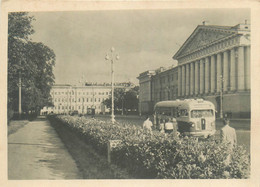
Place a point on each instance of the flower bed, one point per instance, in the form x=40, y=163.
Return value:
x=160, y=156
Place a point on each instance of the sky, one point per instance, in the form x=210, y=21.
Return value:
x=144, y=39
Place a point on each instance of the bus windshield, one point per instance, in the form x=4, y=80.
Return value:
x=201, y=113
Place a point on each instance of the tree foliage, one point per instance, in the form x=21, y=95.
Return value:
x=124, y=99
x=34, y=61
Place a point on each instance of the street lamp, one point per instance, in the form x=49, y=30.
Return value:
x=111, y=58
x=221, y=79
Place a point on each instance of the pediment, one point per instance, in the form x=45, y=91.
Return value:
x=202, y=37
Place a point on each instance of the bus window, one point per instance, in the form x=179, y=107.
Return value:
x=201, y=113
x=183, y=112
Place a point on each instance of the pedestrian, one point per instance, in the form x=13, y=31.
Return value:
x=162, y=124
x=168, y=126
x=147, y=125
x=175, y=126
x=228, y=134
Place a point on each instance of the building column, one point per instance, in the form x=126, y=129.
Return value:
x=179, y=81
x=212, y=74
x=201, y=76
x=183, y=80
x=219, y=73
x=206, y=75
x=192, y=78
x=225, y=71
x=196, y=85
x=240, y=69
x=232, y=69
x=247, y=67
x=187, y=79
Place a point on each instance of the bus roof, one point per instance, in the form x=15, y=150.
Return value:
x=194, y=103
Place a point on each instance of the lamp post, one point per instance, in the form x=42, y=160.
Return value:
x=221, y=79
x=111, y=58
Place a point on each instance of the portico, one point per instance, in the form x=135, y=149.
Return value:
x=215, y=58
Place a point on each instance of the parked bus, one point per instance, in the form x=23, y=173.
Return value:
x=195, y=117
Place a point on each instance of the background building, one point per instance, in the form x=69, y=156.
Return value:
x=213, y=61
x=67, y=98
x=157, y=85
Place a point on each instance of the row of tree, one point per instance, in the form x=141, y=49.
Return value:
x=124, y=100
x=34, y=61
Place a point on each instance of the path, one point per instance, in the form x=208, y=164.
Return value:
x=36, y=152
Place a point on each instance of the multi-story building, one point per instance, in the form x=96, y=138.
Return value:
x=67, y=98
x=165, y=84
x=157, y=85
x=214, y=61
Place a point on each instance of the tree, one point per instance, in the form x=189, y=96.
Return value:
x=131, y=99
x=124, y=100
x=33, y=60
x=118, y=96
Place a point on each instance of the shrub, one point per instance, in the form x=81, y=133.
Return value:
x=159, y=156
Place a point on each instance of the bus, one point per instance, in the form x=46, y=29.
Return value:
x=195, y=117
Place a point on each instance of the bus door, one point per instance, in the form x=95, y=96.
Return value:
x=183, y=120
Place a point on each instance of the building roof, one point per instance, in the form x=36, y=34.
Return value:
x=209, y=34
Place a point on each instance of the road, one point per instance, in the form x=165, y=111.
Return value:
x=36, y=152
x=242, y=126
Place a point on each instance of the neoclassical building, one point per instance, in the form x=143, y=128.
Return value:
x=157, y=85
x=215, y=60
x=67, y=98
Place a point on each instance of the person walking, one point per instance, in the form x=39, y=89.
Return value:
x=169, y=126
x=147, y=125
x=228, y=134
x=162, y=124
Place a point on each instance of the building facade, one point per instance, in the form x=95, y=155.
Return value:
x=165, y=84
x=213, y=62
x=145, y=92
x=67, y=98
x=157, y=85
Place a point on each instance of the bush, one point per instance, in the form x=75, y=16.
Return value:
x=159, y=156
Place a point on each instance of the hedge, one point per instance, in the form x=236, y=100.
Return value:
x=159, y=156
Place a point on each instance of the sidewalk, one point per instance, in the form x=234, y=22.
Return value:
x=36, y=152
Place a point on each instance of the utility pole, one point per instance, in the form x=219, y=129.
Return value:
x=20, y=93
